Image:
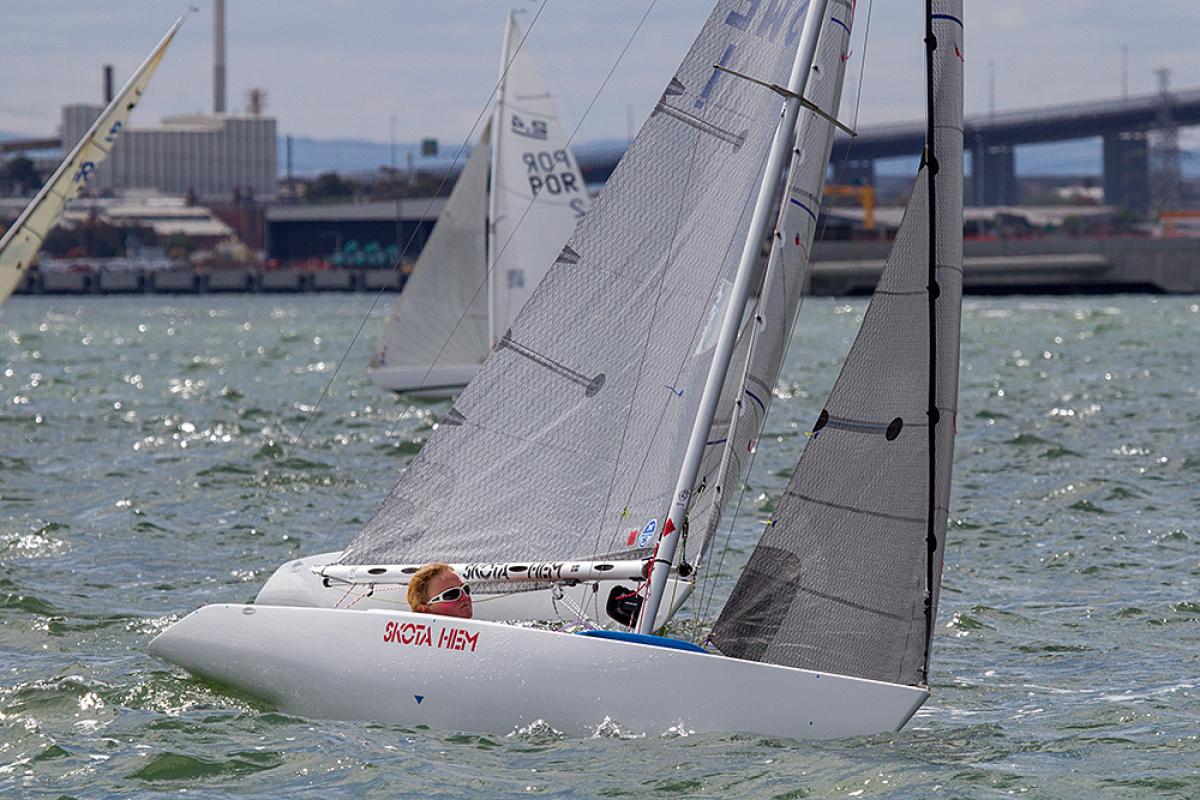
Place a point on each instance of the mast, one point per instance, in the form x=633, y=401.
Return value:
x=490, y=241
x=756, y=363
x=781, y=145
x=932, y=290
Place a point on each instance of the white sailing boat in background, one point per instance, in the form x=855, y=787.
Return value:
x=499, y=232
x=589, y=416
x=21, y=242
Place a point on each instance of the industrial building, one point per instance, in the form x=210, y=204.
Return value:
x=202, y=155
x=220, y=156
x=333, y=232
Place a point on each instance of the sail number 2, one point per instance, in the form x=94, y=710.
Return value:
x=421, y=635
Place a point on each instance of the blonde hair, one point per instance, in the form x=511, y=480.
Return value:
x=418, y=585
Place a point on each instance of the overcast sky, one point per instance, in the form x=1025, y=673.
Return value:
x=345, y=68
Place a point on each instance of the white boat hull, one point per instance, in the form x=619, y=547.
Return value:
x=471, y=675
x=295, y=584
x=437, y=380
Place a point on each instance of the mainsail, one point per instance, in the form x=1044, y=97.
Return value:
x=441, y=316
x=838, y=582
x=23, y=240
x=569, y=440
x=762, y=344
x=537, y=192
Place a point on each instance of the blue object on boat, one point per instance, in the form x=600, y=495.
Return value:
x=644, y=638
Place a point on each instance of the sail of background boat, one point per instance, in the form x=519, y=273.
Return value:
x=515, y=203
x=21, y=242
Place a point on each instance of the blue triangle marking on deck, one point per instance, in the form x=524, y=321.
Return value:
x=418, y=698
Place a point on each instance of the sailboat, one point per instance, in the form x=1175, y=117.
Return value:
x=504, y=222
x=827, y=633
x=322, y=580
x=21, y=242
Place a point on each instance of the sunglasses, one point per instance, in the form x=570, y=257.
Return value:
x=450, y=595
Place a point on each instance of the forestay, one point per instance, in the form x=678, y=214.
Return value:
x=761, y=347
x=537, y=191
x=568, y=442
x=838, y=581
x=23, y=240
x=441, y=316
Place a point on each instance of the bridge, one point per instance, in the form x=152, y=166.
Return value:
x=1123, y=125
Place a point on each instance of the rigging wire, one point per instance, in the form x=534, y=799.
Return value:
x=379, y=295
x=711, y=575
x=654, y=316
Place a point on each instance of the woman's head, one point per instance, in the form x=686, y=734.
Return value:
x=437, y=589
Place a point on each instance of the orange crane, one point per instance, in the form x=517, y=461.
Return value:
x=865, y=195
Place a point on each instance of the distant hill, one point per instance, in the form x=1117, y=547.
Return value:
x=314, y=156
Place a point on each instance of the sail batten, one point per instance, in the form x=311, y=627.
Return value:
x=839, y=579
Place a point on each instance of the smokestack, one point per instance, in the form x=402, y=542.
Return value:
x=218, y=56
x=108, y=84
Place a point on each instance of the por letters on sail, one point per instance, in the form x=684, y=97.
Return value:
x=763, y=342
x=501, y=229
x=839, y=579
x=23, y=240
x=571, y=435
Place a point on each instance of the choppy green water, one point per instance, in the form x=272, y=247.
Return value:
x=147, y=467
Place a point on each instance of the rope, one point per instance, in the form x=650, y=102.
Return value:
x=557, y=593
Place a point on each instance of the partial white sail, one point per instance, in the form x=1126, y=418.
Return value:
x=838, y=580
x=568, y=442
x=440, y=321
x=759, y=355
x=23, y=240
x=493, y=243
x=537, y=191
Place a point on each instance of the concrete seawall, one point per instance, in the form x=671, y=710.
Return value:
x=186, y=281
x=1034, y=266
x=1030, y=266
